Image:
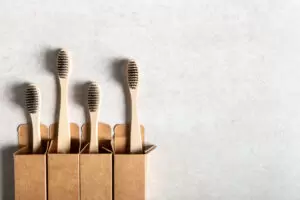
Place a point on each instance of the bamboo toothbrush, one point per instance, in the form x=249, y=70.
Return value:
x=132, y=82
x=64, y=135
x=32, y=102
x=93, y=105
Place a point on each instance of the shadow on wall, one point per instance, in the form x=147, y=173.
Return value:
x=50, y=65
x=118, y=73
x=17, y=97
x=17, y=92
x=80, y=90
x=8, y=192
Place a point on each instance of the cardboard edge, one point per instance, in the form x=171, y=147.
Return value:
x=21, y=151
x=149, y=148
x=18, y=132
x=127, y=126
x=50, y=147
x=84, y=150
x=108, y=150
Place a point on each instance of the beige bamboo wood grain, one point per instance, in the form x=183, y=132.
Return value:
x=64, y=136
x=136, y=145
x=94, y=147
x=36, y=131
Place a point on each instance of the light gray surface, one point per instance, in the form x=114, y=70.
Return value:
x=220, y=86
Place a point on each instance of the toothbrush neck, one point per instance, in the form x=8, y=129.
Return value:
x=134, y=106
x=64, y=91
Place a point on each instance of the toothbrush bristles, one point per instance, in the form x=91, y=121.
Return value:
x=62, y=63
x=32, y=98
x=93, y=97
x=132, y=74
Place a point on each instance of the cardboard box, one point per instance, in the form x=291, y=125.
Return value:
x=129, y=169
x=30, y=169
x=96, y=169
x=63, y=169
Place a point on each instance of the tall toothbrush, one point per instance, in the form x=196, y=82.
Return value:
x=63, y=71
x=33, y=102
x=93, y=105
x=135, y=132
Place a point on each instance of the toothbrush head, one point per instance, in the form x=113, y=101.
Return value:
x=32, y=98
x=132, y=75
x=93, y=97
x=63, y=64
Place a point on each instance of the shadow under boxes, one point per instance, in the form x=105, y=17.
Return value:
x=129, y=169
x=63, y=169
x=96, y=168
x=31, y=169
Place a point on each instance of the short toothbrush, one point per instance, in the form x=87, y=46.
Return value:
x=64, y=135
x=136, y=145
x=32, y=102
x=93, y=105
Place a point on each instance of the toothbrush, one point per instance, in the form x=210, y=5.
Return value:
x=132, y=82
x=32, y=102
x=93, y=105
x=63, y=70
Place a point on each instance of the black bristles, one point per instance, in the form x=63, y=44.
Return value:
x=93, y=97
x=132, y=74
x=62, y=64
x=32, y=98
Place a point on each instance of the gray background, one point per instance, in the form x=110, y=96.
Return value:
x=219, y=95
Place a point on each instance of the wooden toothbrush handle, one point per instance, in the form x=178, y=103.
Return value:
x=136, y=145
x=36, y=132
x=94, y=142
x=64, y=136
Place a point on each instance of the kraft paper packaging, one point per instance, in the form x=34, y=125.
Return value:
x=129, y=169
x=96, y=168
x=30, y=169
x=63, y=169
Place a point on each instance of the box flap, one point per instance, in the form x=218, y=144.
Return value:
x=24, y=136
x=24, y=139
x=85, y=150
x=104, y=137
x=148, y=148
x=22, y=150
x=75, y=138
x=121, y=139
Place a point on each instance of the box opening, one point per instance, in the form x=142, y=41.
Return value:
x=104, y=137
x=75, y=139
x=121, y=140
x=24, y=140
